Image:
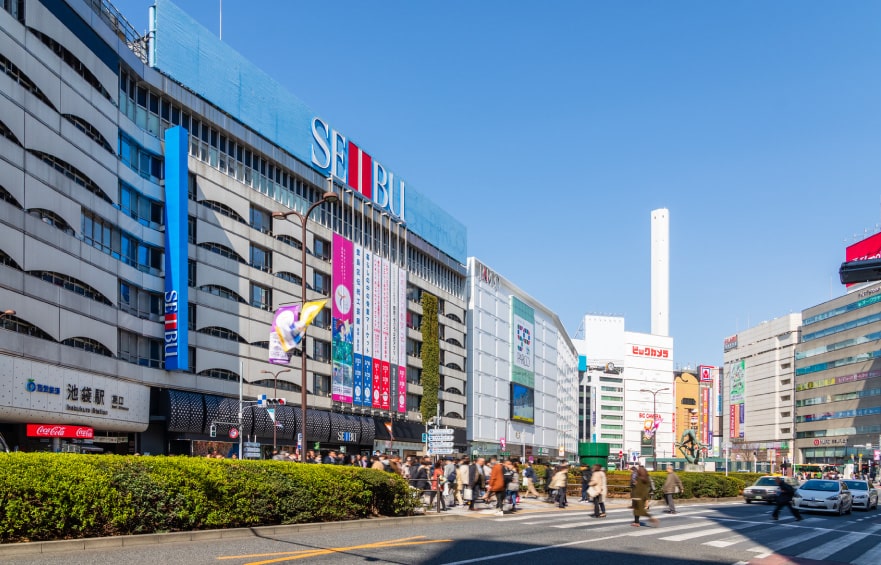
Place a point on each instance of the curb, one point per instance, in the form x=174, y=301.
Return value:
x=42, y=547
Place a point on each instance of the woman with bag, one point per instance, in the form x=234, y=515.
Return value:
x=512, y=484
x=672, y=485
x=560, y=483
x=597, y=491
x=640, y=495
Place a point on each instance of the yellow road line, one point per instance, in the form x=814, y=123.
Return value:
x=304, y=553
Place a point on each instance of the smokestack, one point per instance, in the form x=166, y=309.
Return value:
x=661, y=272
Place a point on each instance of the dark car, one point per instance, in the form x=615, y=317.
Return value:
x=765, y=489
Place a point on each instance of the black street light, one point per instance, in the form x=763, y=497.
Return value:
x=7, y=313
x=275, y=375
x=329, y=196
x=654, y=394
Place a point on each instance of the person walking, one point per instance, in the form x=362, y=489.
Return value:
x=785, y=492
x=585, y=482
x=598, y=490
x=512, y=483
x=672, y=486
x=529, y=481
x=639, y=497
x=496, y=486
x=437, y=486
x=549, y=477
x=560, y=483
x=475, y=481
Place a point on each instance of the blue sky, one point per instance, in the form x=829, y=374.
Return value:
x=551, y=130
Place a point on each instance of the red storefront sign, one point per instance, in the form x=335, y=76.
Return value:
x=56, y=430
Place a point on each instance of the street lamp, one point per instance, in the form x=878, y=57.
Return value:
x=7, y=313
x=275, y=375
x=328, y=196
x=654, y=394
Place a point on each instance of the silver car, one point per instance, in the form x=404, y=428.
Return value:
x=765, y=489
x=864, y=494
x=822, y=495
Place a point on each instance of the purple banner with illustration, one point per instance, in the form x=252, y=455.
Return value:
x=342, y=336
x=285, y=317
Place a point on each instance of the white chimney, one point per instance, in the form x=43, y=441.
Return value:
x=661, y=272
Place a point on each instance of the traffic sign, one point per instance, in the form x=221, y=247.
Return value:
x=441, y=444
x=441, y=451
x=440, y=432
x=233, y=433
x=424, y=437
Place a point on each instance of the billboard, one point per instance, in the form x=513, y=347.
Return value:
x=522, y=343
x=342, y=336
x=522, y=403
x=175, y=338
x=736, y=397
x=869, y=248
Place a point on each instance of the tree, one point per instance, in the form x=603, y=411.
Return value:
x=430, y=357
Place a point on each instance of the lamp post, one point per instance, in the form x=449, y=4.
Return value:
x=275, y=375
x=7, y=313
x=328, y=196
x=654, y=394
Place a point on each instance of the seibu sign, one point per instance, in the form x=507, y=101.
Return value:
x=54, y=430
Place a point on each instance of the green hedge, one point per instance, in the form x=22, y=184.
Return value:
x=47, y=496
x=696, y=485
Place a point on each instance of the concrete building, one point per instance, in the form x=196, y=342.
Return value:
x=522, y=372
x=624, y=369
x=838, y=380
x=139, y=250
x=758, y=393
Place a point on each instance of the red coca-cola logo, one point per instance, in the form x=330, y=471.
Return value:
x=51, y=430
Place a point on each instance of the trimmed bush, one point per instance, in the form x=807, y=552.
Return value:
x=48, y=496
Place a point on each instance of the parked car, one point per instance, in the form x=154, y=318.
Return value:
x=765, y=489
x=824, y=495
x=864, y=494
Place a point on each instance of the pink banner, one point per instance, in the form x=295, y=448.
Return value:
x=705, y=415
x=402, y=389
x=385, y=393
x=377, y=383
x=342, y=334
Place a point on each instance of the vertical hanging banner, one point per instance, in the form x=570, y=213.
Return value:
x=385, y=397
x=343, y=333
x=522, y=347
x=358, y=323
x=175, y=339
x=393, y=337
x=367, y=329
x=377, y=331
x=705, y=415
x=402, y=340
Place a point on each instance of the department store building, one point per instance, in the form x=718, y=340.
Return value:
x=138, y=249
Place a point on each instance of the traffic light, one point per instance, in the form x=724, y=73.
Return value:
x=274, y=402
x=213, y=430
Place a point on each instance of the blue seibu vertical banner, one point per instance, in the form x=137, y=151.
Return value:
x=176, y=247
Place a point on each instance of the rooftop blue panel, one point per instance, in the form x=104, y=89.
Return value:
x=190, y=54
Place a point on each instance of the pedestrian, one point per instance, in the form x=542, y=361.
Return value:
x=549, y=477
x=639, y=496
x=585, y=482
x=672, y=486
x=785, y=492
x=496, y=486
x=512, y=483
x=598, y=490
x=450, y=479
x=421, y=480
x=462, y=472
x=475, y=481
x=560, y=482
x=529, y=480
x=437, y=484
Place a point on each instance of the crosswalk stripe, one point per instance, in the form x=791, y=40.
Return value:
x=720, y=543
x=870, y=557
x=698, y=534
x=834, y=546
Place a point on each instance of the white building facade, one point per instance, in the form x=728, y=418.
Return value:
x=758, y=402
x=522, y=372
x=628, y=383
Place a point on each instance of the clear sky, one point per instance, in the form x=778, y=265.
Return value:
x=552, y=129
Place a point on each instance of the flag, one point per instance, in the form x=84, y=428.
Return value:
x=291, y=322
x=388, y=426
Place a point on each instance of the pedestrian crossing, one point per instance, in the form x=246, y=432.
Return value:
x=749, y=537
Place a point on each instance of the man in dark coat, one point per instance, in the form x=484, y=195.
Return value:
x=785, y=492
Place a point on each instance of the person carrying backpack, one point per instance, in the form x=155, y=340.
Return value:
x=785, y=492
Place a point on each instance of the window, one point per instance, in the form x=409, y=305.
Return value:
x=73, y=62
x=223, y=250
x=290, y=277
x=88, y=344
x=222, y=333
x=321, y=385
x=320, y=350
x=222, y=374
x=223, y=210
x=71, y=172
x=222, y=292
x=146, y=211
x=261, y=297
x=90, y=131
x=261, y=220
x=321, y=249
x=16, y=75
x=293, y=242
x=140, y=160
x=138, y=302
x=52, y=219
x=322, y=319
x=321, y=283
x=140, y=350
x=261, y=258
x=191, y=273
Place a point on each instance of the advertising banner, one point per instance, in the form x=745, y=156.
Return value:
x=402, y=340
x=385, y=396
x=522, y=347
x=60, y=430
x=342, y=337
x=175, y=338
x=705, y=415
x=732, y=421
x=367, y=329
x=868, y=248
x=522, y=403
x=737, y=393
x=358, y=326
x=377, y=383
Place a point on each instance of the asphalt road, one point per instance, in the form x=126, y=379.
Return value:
x=729, y=533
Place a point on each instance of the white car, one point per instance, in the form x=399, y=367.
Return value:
x=824, y=495
x=864, y=494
